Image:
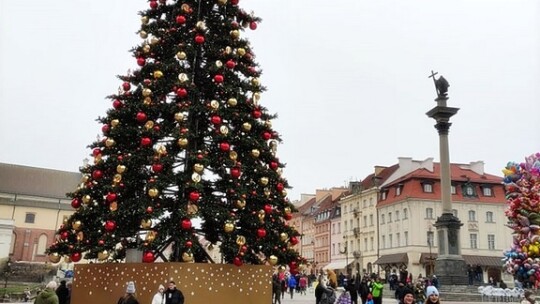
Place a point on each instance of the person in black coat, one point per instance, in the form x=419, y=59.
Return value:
x=353, y=290
x=364, y=289
x=173, y=295
x=62, y=292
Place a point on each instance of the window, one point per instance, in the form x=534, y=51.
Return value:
x=383, y=196
x=397, y=215
x=389, y=241
x=454, y=212
x=383, y=242
x=365, y=244
x=468, y=190
x=472, y=216
x=428, y=188
x=365, y=203
x=474, y=241
x=486, y=191
x=371, y=219
x=398, y=239
x=382, y=218
x=405, y=214
x=30, y=218
x=491, y=241
x=430, y=238
x=365, y=220
x=333, y=249
x=429, y=213
x=338, y=227
x=334, y=228
x=452, y=189
x=350, y=224
x=42, y=244
x=398, y=190
x=371, y=243
x=389, y=217
x=371, y=201
x=346, y=227
x=406, y=236
x=345, y=209
x=489, y=217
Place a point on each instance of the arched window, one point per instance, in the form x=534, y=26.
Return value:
x=42, y=244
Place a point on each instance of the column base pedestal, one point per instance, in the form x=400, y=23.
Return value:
x=451, y=271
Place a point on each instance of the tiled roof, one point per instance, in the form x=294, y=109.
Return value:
x=23, y=180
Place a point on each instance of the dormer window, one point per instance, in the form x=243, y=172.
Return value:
x=468, y=190
x=398, y=189
x=384, y=194
x=427, y=187
x=487, y=191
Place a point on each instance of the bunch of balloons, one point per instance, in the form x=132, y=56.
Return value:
x=522, y=186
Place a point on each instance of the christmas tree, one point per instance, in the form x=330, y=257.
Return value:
x=186, y=139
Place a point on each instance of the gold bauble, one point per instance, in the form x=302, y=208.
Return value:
x=256, y=98
x=146, y=48
x=97, y=159
x=154, y=40
x=87, y=199
x=287, y=210
x=241, y=52
x=149, y=125
x=224, y=130
x=146, y=92
x=214, y=104
x=235, y=34
x=109, y=142
x=232, y=102
x=273, y=260
x=181, y=55
x=268, y=124
x=183, y=77
x=146, y=223
x=196, y=177
x=103, y=255
x=114, y=123
x=228, y=50
x=153, y=192
x=284, y=192
x=198, y=168
x=80, y=236
x=143, y=34
x=151, y=236
x=179, y=116
x=261, y=215
x=147, y=101
x=240, y=240
x=54, y=257
x=187, y=257
x=267, y=192
x=283, y=236
x=85, y=178
x=161, y=150
x=76, y=225
x=246, y=126
x=222, y=2
x=200, y=25
x=183, y=142
x=218, y=64
x=120, y=169
x=233, y=155
x=117, y=178
x=144, y=19
x=158, y=74
x=263, y=181
x=228, y=227
x=241, y=203
x=255, y=82
x=255, y=153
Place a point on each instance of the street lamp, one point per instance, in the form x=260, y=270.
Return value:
x=346, y=253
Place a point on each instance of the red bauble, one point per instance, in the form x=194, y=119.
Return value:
x=280, y=187
x=215, y=119
x=111, y=197
x=194, y=196
x=267, y=209
x=266, y=135
x=148, y=257
x=181, y=92
x=64, y=235
x=141, y=117
x=141, y=61
x=149, y=209
x=75, y=203
x=110, y=225
x=153, y=4
x=126, y=86
x=293, y=240
x=157, y=168
x=234, y=2
x=186, y=224
x=274, y=165
x=199, y=39
x=253, y=25
x=180, y=19
x=235, y=172
x=288, y=216
x=224, y=146
x=145, y=142
x=189, y=243
x=237, y=261
x=293, y=265
x=117, y=104
x=230, y=64
x=105, y=129
x=218, y=78
x=261, y=232
x=76, y=256
x=96, y=152
x=101, y=242
x=97, y=174
x=256, y=113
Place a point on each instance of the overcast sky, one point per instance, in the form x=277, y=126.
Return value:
x=348, y=79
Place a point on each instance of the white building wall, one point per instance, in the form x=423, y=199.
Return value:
x=6, y=234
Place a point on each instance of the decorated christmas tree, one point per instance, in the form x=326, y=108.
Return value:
x=186, y=141
x=522, y=183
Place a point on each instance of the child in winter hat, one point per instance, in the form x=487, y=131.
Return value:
x=431, y=290
x=130, y=287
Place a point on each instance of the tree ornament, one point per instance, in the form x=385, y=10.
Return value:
x=267, y=208
x=151, y=236
x=183, y=77
x=273, y=260
x=97, y=174
x=146, y=142
x=103, y=255
x=153, y=192
x=110, y=226
x=111, y=197
x=109, y=142
x=230, y=64
x=126, y=86
x=228, y=227
x=194, y=196
x=283, y=236
x=246, y=126
x=87, y=199
x=215, y=119
x=146, y=92
x=148, y=257
x=199, y=168
x=218, y=78
x=224, y=146
x=241, y=52
x=75, y=203
x=253, y=25
x=233, y=155
x=77, y=225
x=280, y=187
x=153, y=4
x=158, y=74
x=235, y=172
x=222, y=2
x=255, y=153
x=235, y=34
x=266, y=135
x=149, y=210
x=199, y=39
x=179, y=116
x=146, y=223
x=64, y=235
x=241, y=203
x=187, y=257
x=237, y=261
x=181, y=55
x=76, y=256
x=263, y=181
x=180, y=19
x=115, y=123
x=54, y=257
x=256, y=113
x=181, y=92
x=274, y=165
x=182, y=142
x=214, y=105
x=157, y=168
x=294, y=240
x=141, y=61
x=232, y=102
x=143, y=34
x=261, y=216
x=261, y=232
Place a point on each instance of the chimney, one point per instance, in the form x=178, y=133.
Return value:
x=379, y=169
x=477, y=167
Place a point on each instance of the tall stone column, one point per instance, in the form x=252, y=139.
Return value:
x=450, y=267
